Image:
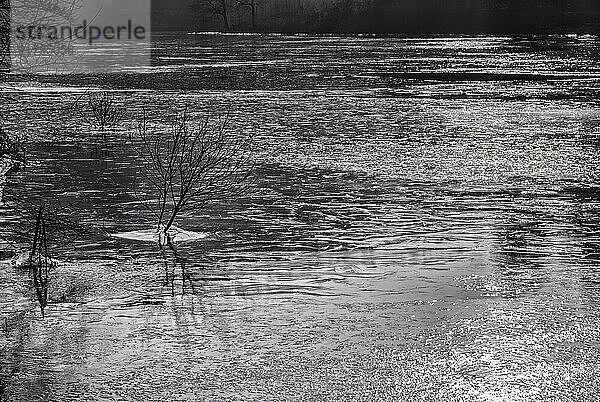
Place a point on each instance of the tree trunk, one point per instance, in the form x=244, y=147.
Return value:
x=253, y=6
x=225, y=15
x=172, y=219
x=36, y=236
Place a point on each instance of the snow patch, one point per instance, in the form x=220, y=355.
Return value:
x=23, y=260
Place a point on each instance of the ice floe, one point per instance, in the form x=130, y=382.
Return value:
x=152, y=235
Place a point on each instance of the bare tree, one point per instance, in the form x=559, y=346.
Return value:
x=190, y=165
x=60, y=227
x=103, y=110
x=43, y=231
x=25, y=42
x=218, y=8
x=40, y=262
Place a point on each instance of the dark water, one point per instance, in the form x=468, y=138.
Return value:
x=424, y=226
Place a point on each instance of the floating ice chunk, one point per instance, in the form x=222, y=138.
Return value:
x=138, y=235
x=152, y=235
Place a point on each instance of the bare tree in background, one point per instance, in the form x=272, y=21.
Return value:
x=218, y=8
x=190, y=165
x=252, y=5
x=34, y=50
x=29, y=55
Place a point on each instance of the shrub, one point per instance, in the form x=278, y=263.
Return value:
x=190, y=165
x=10, y=147
x=103, y=110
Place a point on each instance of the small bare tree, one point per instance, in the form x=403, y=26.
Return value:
x=190, y=165
x=40, y=262
x=102, y=110
x=41, y=221
x=45, y=230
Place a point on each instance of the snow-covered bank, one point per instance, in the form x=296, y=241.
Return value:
x=4, y=169
x=5, y=166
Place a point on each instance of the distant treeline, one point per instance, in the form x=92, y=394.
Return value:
x=379, y=16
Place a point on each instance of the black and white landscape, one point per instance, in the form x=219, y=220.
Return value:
x=305, y=201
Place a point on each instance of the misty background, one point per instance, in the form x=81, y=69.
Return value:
x=379, y=16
